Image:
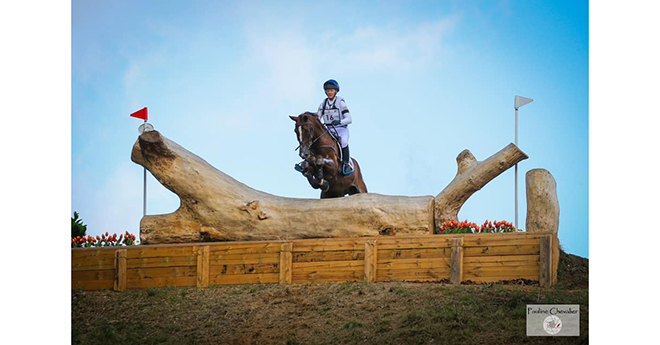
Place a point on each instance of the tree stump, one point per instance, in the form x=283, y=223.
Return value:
x=542, y=202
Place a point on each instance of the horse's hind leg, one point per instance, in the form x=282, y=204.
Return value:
x=359, y=184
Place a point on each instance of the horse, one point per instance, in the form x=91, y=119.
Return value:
x=322, y=165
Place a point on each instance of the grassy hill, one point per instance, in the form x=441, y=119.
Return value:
x=337, y=313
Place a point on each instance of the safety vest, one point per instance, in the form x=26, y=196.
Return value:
x=330, y=111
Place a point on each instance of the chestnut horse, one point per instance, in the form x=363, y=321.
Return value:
x=322, y=165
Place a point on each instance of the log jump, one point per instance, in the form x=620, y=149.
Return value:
x=216, y=207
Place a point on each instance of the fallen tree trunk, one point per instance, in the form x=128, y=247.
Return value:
x=216, y=207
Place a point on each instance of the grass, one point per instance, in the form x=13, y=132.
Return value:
x=347, y=313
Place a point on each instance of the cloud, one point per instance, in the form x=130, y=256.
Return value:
x=395, y=49
x=293, y=56
x=288, y=58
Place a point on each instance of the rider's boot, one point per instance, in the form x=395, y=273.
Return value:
x=346, y=169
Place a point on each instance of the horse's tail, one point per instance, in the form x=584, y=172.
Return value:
x=359, y=181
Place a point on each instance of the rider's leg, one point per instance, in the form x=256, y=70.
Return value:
x=347, y=169
x=343, y=138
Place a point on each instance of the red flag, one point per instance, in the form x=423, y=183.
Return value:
x=141, y=114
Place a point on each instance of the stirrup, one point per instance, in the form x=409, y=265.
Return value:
x=298, y=167
x=347, y=170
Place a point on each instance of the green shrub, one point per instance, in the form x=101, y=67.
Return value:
x=77, y=226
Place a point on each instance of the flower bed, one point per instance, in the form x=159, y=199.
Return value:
x=465, y=227
x=104, y=240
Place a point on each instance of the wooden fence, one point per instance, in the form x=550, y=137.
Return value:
x=455, y=258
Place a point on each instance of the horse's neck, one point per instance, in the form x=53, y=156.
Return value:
x=324, y=138
x=326, y=141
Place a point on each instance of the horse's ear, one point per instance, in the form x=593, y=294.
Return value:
x=294, y=118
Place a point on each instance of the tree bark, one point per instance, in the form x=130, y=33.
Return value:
x=216, y=207
x=472, y=175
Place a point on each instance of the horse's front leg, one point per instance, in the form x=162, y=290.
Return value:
x=308, y=172
x=322, y=162
x=313, y=181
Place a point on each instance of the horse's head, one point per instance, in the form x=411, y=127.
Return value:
x=308, y=129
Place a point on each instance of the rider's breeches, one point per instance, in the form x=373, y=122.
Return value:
x=343, y=135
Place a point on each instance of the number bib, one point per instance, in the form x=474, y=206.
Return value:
x=330, y=115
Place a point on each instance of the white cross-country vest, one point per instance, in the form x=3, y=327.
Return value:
x=330, y=111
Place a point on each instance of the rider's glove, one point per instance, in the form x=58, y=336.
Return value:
x=335, y=123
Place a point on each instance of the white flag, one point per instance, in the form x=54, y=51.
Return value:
x=520, y=101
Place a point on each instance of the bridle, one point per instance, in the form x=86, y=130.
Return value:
x=309, y=147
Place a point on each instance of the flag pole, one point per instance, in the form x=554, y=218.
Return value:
x=516, y=179
x=518, y=101
x=144, y=196
x=143, y=114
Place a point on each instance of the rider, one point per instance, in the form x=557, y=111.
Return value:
x=334, y=113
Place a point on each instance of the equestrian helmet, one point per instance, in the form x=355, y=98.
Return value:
x=331, y=84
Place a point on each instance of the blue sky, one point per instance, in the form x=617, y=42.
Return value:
x=423, y=81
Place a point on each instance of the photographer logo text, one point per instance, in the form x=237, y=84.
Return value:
x=553, y=320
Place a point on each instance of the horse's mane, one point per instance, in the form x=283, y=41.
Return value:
x=315, y=119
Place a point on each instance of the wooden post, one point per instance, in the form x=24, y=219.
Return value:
x=203, y=258
x=555, y=258
x=120, y=270
x=545, y=259
x=456, y=275
x=286, y=263
x=370, y=258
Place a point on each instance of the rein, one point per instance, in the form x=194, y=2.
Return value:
x=313, y=141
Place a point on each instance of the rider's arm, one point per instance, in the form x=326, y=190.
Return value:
x=345, y=114
x=319, y=112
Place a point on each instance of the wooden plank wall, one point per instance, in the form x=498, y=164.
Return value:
x=244, y=263
x=452, y=258
x=328, y=260
x=502, y=257
x=424, y=258
x=93, y=269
